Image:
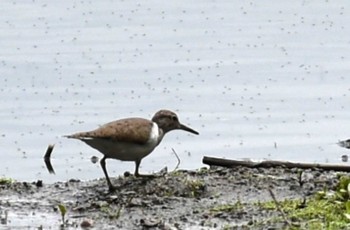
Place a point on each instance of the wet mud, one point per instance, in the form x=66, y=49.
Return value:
x=216, y=198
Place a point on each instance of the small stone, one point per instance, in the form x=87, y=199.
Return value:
x=94, y=159
x=344, y=158
x=39, y=183
x=166, y=226
x=150, y=223
x=135, y=202
x=127, y=174
x=87, y=223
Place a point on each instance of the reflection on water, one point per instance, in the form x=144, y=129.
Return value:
x=255, y=81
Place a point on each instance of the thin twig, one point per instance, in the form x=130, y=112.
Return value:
x=279, y=208
x=178, y=159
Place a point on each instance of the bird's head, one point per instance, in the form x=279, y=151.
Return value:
x=168, y=120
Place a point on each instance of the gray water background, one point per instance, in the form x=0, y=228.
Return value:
x=257, y=80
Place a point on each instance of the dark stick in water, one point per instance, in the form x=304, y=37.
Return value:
x=47, y=159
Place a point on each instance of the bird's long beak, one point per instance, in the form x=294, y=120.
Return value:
x=188, y=129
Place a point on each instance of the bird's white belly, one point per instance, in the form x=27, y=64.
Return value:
x=128, y=152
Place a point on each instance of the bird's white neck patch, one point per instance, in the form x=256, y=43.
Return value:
x=155, y=134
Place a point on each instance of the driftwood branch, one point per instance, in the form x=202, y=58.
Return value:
x=213, y=161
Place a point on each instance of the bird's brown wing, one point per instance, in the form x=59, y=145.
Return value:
x=135, y=130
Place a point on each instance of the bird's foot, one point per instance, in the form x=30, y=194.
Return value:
x=150, y=176
x=111, y=188
x=161, y=173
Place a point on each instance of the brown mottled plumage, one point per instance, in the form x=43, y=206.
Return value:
x=131, y=139
x=129, y=130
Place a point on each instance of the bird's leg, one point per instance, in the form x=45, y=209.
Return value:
x=137, y=165
x=103, y=165
x=137, y=174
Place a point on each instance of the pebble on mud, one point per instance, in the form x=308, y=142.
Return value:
x=39, y=183
x=94, y=159
x=344, y=158
x=87, y=223
x=150, y=223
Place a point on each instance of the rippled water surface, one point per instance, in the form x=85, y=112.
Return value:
x=256, y=80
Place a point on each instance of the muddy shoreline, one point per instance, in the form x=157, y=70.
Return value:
x=217, y=198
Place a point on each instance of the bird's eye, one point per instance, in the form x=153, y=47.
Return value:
x=174, y=118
